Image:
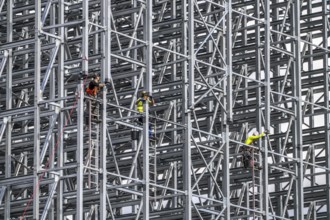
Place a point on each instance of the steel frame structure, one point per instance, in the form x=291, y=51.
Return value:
x=216, y=68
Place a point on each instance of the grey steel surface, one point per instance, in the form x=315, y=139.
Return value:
x=217, y=70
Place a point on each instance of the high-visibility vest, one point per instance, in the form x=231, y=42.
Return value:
x=251, y=138
x=139, y=104
x=93, y=91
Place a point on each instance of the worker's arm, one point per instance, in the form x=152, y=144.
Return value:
x=107, y=83
x=254, y=137
x=251, y=138
x=151, y=100
x=137, y=101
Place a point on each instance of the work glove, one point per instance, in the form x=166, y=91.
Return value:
x=83, y=75
x=107, y=83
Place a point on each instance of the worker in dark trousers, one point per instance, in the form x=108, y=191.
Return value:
x=94, y=86
x=92, y=90
x=247, y=157
x=145, y=97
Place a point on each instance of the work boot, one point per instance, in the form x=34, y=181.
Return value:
x=96, y=120
x=153, y=138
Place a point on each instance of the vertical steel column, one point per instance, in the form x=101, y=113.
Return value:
x=52, y=95
x=326, y=99
x=227, y=116
x=80, y=151
x=185, y=119
x=26, y=57
x=174, y=74
x=297, y=104
x=9, y=102
x=60, y=87
x=265, y=194
x=175, y=109
x=277, y=128
x=229, y=44
x=79, y=157
x=26, y=98
x=106, y=69
x=226, y=160
x=135, y=84
x=210, y=119
x=80, y=130
x=188, y=100
x=37, y=98
x=258, y=90
x=148, y=86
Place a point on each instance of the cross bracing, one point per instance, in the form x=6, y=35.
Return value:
x=217, y=70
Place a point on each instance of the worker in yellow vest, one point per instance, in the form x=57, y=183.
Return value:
x=247, y=158
x=145, y=97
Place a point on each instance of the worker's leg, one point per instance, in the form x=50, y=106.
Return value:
x=246, y=163
x=140, y=120
x=86, y=115
x=257, y=165
x=95, y=106
x=251, y=163
x=254, y=161
x=151, y=133
x=246, y=159
x=96, y=111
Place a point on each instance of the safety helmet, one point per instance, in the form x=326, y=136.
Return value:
x=143, y=93
x=255, y=133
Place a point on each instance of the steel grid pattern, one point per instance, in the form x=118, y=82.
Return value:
x=217, y=69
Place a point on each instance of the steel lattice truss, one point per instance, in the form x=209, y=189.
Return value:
x=217, y=69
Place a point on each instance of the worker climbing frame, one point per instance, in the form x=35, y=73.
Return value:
x=217, y=71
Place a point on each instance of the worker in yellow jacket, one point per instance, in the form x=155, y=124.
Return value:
x=248, y=152
x=255, y=136
x=140, y=101
x=145, y=97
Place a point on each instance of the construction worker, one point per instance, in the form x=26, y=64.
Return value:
x=92, y=90
x=94, y=86
x=145, y=97
x=247, y=158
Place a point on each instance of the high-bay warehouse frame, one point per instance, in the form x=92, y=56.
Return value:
x=217, y=70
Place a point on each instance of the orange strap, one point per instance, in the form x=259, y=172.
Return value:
x=91, y=91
